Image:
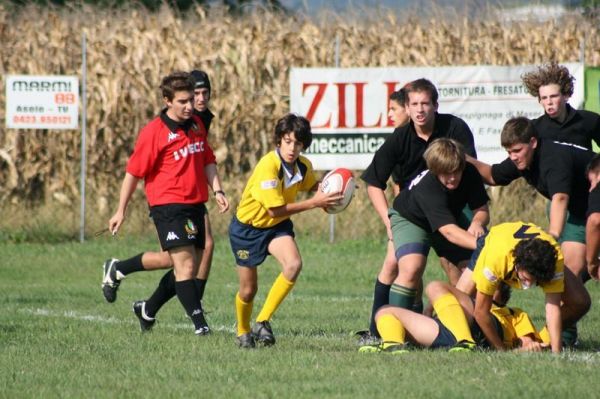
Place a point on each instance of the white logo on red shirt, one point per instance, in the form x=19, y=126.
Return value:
x=172, y=136
x=192, y=148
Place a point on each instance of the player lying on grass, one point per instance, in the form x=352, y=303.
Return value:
x=453, y=326
x=262, y=225
x=522, y=255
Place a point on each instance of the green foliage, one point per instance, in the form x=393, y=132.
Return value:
x=60, y=339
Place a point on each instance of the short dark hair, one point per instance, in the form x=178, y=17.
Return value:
x=177, y=81
x=421, y=85
x=399, y=96
x=517, y=130
x=537, y=257
x=594, y=165
x=292, y=123
x=548, y=74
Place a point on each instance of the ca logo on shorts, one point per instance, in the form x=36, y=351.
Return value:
x=243, y=254
x=190, y=227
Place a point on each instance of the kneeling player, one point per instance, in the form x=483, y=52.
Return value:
x=522, y=255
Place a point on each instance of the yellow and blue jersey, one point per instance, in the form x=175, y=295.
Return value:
x=495, y=262
x=271, y=185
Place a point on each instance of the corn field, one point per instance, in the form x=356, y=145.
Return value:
x=248, y=59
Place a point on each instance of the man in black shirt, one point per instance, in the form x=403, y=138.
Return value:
x=592, y=227
x=557, y=171
x=427, y=214
x=552, y=84
x=402, y=152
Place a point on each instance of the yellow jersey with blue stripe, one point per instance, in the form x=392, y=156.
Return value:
x=495, y=262
x=515, y=323
x=273, y=184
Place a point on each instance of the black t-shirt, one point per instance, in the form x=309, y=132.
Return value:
x=430, y=205
x=579, y=127
x=206, y=117
x=403, y=150
x=594, y=201
x=556, y=168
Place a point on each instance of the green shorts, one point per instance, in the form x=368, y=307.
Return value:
x=574, y=229
x=412, y=239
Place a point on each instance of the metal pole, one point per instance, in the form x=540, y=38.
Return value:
x=83, y=133
x=337, y=65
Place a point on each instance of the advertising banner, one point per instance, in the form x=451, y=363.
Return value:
x=348, y=108
x=42, y=102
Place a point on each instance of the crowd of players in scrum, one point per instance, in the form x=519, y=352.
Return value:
x=440, y=202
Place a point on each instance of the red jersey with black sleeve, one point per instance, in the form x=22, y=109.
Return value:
x=170, y=157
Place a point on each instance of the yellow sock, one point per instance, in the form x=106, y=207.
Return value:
x=390, y=329
x=452, y=316
x=243, y=312
x=545, y=335
x=281, y=287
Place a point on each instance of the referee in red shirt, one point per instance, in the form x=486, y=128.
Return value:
x=174, y=159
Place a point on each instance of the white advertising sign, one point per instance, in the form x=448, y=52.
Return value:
x=42, y=102
x=348, y=108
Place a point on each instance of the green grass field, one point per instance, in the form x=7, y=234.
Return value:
x=59, y=338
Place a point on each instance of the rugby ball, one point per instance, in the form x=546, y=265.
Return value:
x=339, y=180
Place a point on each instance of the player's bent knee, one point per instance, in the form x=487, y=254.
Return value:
x=387, y=309
x=247, y=292
x=434, y=288
x=291, y=269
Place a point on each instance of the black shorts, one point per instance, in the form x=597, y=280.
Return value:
x=445, y=339
x=179, y=225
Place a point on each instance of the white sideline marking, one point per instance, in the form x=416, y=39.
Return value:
x=71, y=314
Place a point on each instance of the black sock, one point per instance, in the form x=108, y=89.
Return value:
x=381, y=297
x=188, y=296
x=130, y=265
x=163, y=293
x=200, y=285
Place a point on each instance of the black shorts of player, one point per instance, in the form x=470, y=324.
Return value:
x=444, y=339
x=477, y=251
x=179, y=225
x=250, y=245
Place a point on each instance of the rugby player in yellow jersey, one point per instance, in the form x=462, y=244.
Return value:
x=453, y=326
x=522, y=255
x=262, y=225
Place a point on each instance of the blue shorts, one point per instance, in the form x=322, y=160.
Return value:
x=477, y=251
x=250, y=244
x=444, y=339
